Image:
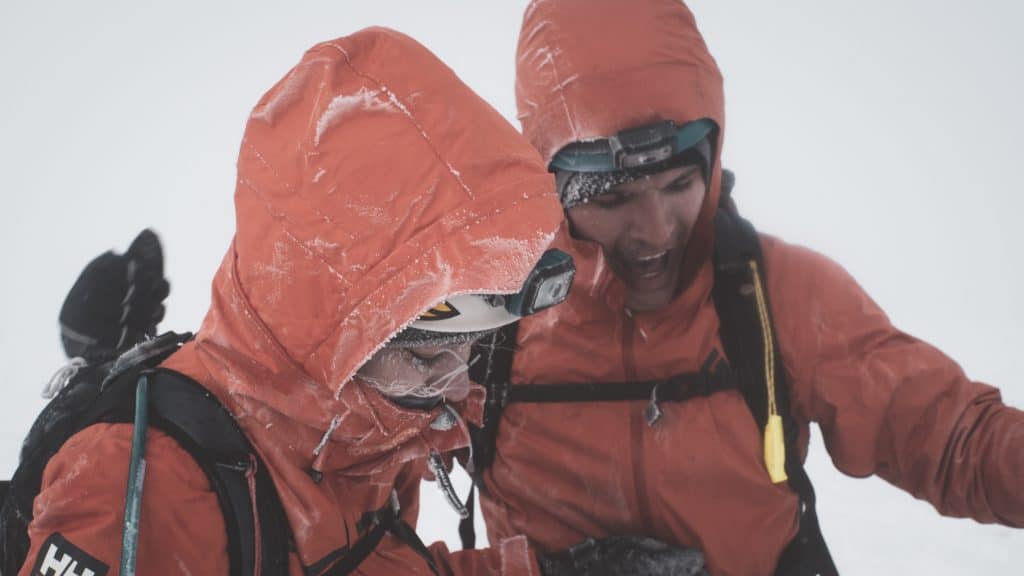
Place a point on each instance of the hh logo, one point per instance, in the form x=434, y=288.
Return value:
x=58, y=557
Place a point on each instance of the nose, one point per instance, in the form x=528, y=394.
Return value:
x=652, y=224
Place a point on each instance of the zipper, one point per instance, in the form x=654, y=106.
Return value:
x=250, y=478
x=637, y=422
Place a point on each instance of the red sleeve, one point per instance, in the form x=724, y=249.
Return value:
x=511, y=557
x=78, y=514
x=888, y=403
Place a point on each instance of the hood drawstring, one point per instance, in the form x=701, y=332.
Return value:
x=320, y=452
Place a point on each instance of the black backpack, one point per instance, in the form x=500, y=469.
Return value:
x=187, y=412
x=745, y=329
x=254, y=519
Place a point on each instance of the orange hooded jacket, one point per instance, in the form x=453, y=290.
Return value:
x=371, y=185
x=887, y=403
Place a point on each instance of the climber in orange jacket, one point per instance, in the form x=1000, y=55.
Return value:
x=625, y=103
x=373, y=186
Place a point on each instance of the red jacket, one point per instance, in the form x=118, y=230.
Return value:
x=371, y=184
x=887, y=403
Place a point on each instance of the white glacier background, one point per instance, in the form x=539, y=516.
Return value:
x=886, y=135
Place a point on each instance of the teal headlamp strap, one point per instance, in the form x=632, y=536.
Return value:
x=632, y=148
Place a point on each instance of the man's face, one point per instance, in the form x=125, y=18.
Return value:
x=643, y=228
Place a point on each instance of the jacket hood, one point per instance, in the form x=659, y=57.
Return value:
x=588, y=69
x=372, y=184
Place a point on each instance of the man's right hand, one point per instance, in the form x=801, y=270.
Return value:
x=621, y=555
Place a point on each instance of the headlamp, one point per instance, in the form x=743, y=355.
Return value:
x=547, y=285
x=633, y=148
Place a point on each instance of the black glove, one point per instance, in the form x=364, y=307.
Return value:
x=621, y=555
x=116, y=302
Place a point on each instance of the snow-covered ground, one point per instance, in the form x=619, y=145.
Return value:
x=886, y=134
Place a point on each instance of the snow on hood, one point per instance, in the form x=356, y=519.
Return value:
x=372, y=183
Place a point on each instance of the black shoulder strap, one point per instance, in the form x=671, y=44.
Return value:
x=253, y=516
x=494, y=372
x=70, y=411
x=736, y=246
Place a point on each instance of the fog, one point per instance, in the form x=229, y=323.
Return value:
x=887, y=135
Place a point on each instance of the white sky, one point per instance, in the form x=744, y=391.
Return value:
x=887, y=135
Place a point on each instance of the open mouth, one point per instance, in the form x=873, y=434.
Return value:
x=649, y=266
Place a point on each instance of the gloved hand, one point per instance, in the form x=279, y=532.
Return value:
x=621, y=555
x=116, y=302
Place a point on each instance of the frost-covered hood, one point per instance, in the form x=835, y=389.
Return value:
x=587, y=69
x=372, y=183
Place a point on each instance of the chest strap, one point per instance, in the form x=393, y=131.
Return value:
x=373, y=526
x=678, y=388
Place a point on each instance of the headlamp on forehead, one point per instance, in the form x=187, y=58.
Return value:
x=547, y=284
x=632, y=148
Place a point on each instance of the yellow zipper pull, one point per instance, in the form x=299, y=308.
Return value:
x=775, y=449
x=774, y=439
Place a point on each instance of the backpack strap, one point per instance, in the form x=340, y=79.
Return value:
x=494, y=372
x=254, y=519
x=746, y=333
x=372, y=527
x=253, y=516
x=68, y=413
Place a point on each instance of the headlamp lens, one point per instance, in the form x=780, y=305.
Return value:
x=548, y=284
x=551, y=291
